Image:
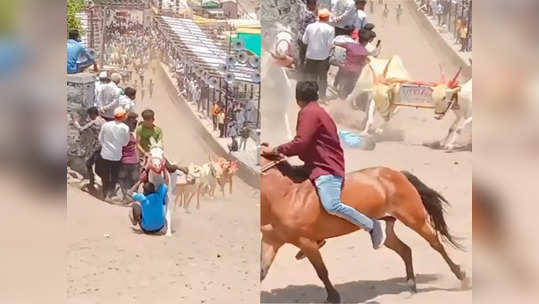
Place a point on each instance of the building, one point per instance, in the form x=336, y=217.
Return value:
x=230, y=9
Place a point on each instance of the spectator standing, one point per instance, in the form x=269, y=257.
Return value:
x=319, y=40
x=339, y=53
x=307, y=16
x=76, y=51
x=221, y=123
x=114, y=135
x=345, y=14
x=361, y=16
x=214, y=112
x=127, y=101
x=93, y=125
x=244, y=135
x=129, y=168
x=439, y=12
x=463, y=35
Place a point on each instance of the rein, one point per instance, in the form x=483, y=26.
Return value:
x=271, y=164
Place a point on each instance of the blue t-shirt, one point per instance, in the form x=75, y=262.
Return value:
x=153, y=208
x=74, y=51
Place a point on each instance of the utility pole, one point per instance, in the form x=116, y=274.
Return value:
x=104, y=13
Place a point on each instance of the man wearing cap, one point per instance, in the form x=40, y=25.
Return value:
x=319, y=40
x=99, y=85
x=113, y=137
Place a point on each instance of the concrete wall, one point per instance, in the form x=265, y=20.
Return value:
x=80, y=96
x=430, y=32
x=246, y=173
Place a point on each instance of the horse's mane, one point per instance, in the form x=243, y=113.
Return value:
x=297, y=173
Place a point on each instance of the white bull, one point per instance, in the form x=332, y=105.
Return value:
x=369, y=87
x=459, y=100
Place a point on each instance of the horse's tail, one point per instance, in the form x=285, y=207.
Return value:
x=434, y=203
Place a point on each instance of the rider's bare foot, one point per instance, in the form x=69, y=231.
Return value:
x=300, y=255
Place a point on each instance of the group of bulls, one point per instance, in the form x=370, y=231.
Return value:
x=202, y=180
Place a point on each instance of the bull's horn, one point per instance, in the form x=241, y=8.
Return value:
x=453, y=82
x=443, y=79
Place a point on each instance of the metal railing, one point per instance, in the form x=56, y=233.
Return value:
x=456, y=14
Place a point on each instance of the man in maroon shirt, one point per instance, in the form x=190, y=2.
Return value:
x=317, y=145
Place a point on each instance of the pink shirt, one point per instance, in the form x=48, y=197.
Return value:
x=129, y=151
x=356, y=56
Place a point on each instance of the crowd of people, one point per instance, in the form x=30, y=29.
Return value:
x=232, y=117
x=339, y=35
x=455, y=15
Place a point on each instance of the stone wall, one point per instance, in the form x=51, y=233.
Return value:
x=80, y=96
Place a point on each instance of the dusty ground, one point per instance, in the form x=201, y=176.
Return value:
x=212, y=256
x=360, y=274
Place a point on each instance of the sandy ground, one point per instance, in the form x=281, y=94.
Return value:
x=212, y=257
x=363, y=275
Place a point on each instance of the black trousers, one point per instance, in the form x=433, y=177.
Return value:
x=90, y=167
x=128, y=176
x=317, y=70
x=339, y=31
x=302, y=52
x=111, y=170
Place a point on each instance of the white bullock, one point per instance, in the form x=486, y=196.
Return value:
x=371, y=92
x=459, y=100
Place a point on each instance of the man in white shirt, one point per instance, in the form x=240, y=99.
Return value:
x=114, y=135
x=319, y=40
x=108, y=101
x=361, y=16
x=99, y=85
x=127, y=101
x=344, y=15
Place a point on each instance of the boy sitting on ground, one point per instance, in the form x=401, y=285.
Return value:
x=149, y=208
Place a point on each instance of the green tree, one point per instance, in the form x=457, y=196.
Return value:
x=73, y=22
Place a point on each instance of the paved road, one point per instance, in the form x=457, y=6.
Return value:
x=362, y=275
x=212, y=256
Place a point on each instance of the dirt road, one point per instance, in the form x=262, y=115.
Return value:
x=359, y=273
x=212, y=256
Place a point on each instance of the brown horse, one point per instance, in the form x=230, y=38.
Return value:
x=291, y=213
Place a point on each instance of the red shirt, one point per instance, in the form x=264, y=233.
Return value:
x=356, y=56
x=316, y=143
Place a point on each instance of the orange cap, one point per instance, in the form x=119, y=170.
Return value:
x=324, y=14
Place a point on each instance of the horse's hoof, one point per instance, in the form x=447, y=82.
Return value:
x=412, y=285
x=335, y=298
x=465, y=282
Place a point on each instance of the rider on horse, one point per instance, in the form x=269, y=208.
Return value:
x=317, y=144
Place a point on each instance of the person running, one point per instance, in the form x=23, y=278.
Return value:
x=150, y=88
x=317, y=144
x=398, y=13
x=148, y=210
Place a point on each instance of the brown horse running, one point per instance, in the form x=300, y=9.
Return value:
x=291, y=213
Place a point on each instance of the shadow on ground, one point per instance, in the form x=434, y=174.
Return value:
x=351, y=292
